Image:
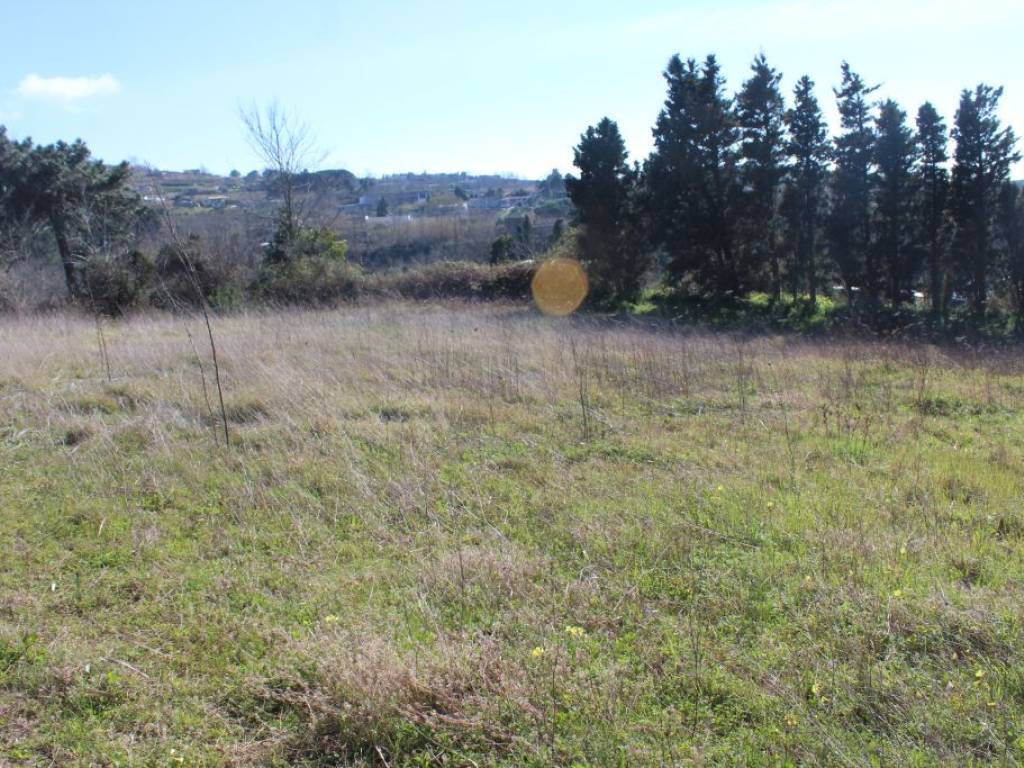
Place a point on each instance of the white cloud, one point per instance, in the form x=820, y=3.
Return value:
x=7, y=116
x=67, y=91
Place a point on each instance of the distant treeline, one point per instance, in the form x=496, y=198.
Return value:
x=749, y=193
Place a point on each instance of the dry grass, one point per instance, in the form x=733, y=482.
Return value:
x=472, y=535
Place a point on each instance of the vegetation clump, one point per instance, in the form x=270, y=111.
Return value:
x=312, y=267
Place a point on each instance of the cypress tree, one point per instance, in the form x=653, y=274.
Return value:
x=981, y=165
x=849, y=220
x=932, y=183
x=692, y=179
x=808, y=150
x=894, y=161
x=760, y=114
x=601, y=195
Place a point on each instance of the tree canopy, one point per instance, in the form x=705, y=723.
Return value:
x=86, y=204
x=743, y=193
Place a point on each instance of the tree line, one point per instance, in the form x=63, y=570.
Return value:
x=748, y=192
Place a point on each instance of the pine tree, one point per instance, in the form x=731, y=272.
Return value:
x=760, y=114
x=693, y=187
x=932, y=186
x=601, y=195
x=87, y=205
x=892, y=180
x=849, y=220
x=981, y=165
x=808, y=149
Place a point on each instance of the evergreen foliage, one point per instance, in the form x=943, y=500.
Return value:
x=692, y=180
x=849, y=224
x=808, y=150
x=603, y=196
x=894, y=163
x=981, y=166
x=932, y=187
x=86, y=204
x=760, y=114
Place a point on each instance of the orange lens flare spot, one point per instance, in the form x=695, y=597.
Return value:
x=559, y=287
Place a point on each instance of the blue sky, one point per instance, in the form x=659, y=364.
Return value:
x=478, y=86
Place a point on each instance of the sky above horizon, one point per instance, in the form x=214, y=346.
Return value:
x=457, y=85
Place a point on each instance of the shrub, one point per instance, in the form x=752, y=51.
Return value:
x=457, y=280
x=312, y=269
x=501, y=249
x=7, y=302
x=185, y=272
x=117, y=283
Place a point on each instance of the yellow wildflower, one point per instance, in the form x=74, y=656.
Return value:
x=537, y=652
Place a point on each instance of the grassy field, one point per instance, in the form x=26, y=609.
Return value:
x=477, y=536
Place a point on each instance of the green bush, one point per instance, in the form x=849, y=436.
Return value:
x=312, y=269
x=501, y=249
x=181, y=275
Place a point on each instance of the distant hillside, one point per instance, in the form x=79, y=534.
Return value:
x=392, y=221
x=199, y=189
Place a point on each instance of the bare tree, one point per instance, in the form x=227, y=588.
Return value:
x=288, y=148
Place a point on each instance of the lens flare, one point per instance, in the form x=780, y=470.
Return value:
x=559, y=287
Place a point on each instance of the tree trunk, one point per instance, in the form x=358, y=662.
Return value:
x=934, y=279
x=980, y=273
x=776, y=278
x=894, y=278
x=810, y=267
x=67, y=259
